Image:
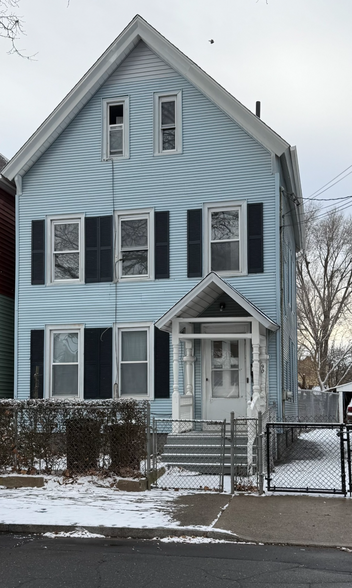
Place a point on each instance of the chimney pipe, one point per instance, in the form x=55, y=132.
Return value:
x=257, y=109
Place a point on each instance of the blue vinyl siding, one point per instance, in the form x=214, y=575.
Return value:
x=219, y=162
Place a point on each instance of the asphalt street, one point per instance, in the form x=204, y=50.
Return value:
x=38, y=562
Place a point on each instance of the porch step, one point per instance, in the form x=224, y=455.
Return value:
x=203, y=449
x=203, y=439
x=204, y=452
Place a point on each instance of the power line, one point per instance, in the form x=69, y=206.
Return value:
x=340, y=174
x=329, y=199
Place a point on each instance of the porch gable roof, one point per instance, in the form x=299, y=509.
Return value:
x=202, y=295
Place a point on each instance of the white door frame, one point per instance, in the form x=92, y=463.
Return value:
x=223, y=332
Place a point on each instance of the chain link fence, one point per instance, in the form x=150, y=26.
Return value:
x=74, y=437
x=307, y=457
x=244, y=459
x=189, y=453
x=318, y=406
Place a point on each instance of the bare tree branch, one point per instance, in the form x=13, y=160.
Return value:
x=324, y=296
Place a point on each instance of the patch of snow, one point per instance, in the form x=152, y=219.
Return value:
x=190, y=539
x=86, y=502
x=81, y=533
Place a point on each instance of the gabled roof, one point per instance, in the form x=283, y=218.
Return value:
x=137, y=30
x=202, y=295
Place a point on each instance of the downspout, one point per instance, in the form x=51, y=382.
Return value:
x=282, y=293
x=18, y=182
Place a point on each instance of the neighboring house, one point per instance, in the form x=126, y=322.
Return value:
x=7, y=282
x=151, y=202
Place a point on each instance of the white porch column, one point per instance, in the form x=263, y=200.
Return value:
x=175, y=393
x=263, y=357
x=189, y=360
x=255, y=368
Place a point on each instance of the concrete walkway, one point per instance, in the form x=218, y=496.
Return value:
x=293, y=520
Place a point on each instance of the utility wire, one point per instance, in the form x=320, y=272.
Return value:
x=316, y=191
x=329, y=199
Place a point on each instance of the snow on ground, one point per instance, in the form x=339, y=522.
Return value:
x=85, y=503
x=81, y=533
x=313, y=461
x=190, y=539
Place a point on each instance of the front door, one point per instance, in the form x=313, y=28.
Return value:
x=225, y=385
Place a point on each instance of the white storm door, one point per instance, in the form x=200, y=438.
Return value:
x=225, y=379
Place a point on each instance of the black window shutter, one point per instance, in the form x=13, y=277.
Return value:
x=97, y=363
x=194, y=243
x=38, y=252
x=106, y=248
x=99, y=249
x=161, y=364
x=255, y=238
x=37, y=361
x=162, y=245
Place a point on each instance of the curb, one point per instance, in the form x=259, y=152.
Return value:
x=122, y=532
x=158, y=533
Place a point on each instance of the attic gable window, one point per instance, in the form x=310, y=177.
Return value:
x=167, y=123
x=116, y=129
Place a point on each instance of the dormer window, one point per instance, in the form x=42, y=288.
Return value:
x=116, y=129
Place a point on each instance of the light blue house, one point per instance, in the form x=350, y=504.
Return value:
x=157, y=225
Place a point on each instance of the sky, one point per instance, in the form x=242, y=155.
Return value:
x=295, y=56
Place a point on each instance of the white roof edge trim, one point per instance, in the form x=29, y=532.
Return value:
x=344, y=387
x=236, y=296
x=136, y=30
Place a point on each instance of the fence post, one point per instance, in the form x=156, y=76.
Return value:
x=260, y=452
x=15, y=414
x=154, y=445
x=148, y=447
x=232, y=439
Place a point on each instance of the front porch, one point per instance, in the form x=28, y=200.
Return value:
x=225, y=335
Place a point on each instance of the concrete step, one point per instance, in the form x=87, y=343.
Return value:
x=213, y=469
x=215, y=449
x=201, y=458
x=202, y=439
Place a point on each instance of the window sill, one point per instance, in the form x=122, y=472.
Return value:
x=167, y=153
x=136, y=279
x=229, y=274
x=65, y=283
x=116, y=158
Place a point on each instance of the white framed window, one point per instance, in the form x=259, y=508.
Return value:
x=135, y=245
x=64, y=361
x=167, y=123
x=134, y=369
x=116, y=128
x=65, y=249
x=226, y=238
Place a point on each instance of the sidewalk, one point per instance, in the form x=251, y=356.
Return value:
x=100, y=509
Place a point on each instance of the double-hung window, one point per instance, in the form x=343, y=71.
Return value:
x=226, y=238
x=116, y=128
x=134, y=370
x=64, y=361
x=134, y=236
x=65, y=249
x=167, y=123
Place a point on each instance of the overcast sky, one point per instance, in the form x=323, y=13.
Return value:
x=295, y=56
